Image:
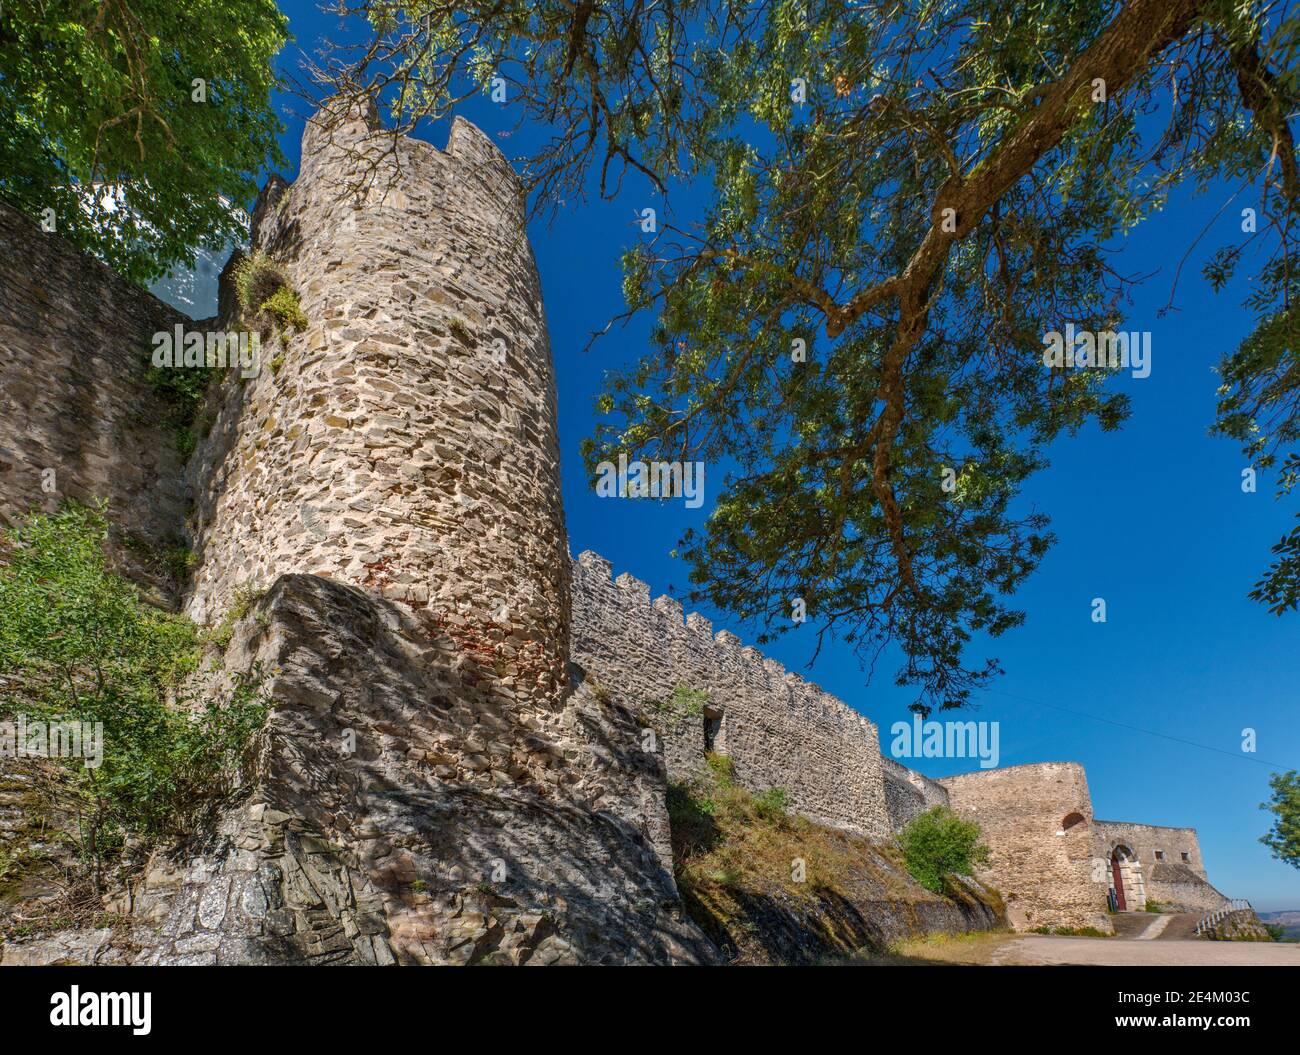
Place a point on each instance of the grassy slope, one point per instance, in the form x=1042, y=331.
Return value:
x=736, y=860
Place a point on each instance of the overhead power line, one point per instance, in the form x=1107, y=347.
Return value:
x=1245, y=756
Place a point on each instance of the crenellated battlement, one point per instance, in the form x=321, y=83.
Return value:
x=595, y=568
x=779, y=729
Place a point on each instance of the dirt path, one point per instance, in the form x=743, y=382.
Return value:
x=1181, y=928
x=1136, y=952
x=1141, y=940
x=1156, y=928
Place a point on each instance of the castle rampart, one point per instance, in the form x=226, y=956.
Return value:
x=778, y=729
x=908, y=794
x=1037, y=821
x=77, y=417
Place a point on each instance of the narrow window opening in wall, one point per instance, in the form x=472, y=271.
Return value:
x=1071, y=820
x=712, y=730
x=1186, y=856
x=1160, y=855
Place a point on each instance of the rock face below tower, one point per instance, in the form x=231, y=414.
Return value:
x=400, y=816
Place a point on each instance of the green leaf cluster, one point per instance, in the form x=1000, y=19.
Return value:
x=1283, y=839
x=99, y=122
x=939, y=844
x=77, y=643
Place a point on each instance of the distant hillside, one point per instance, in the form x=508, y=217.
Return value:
x=1289, y=919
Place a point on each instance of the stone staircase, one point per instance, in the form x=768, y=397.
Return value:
x=1235, y=922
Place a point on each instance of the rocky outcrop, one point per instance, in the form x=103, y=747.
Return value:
x=403, y=815
x=763, y=926
x=1238, y=925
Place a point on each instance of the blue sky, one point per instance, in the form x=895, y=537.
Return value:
x=1152, y=518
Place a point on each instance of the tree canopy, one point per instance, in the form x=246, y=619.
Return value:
x=138, y=123
x=1284, y=837
x=918, y=192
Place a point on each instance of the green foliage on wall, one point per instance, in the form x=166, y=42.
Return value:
x=684, y=704
x=266, y=295
x=78, y=644
x=183, y=390
x=939, y=844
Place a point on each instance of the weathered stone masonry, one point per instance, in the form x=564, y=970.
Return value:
x=778, y=729
x=908, y=794
x=74, y=338
x=407, y=441
x=1037, y=821
x=403, y=455
x=1153, y=860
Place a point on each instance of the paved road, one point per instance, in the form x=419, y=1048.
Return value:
x=1136, y=952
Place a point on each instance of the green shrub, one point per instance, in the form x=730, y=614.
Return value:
x=772, y=804
x=77, y=643
x=265, y=294
x=257, y=278
x=938, y=844
x=283, y=304
x=183, y=390
x=685, y=703
x=720, y=767
x=242, y=599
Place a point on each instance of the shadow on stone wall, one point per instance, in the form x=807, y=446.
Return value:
x=460, y=830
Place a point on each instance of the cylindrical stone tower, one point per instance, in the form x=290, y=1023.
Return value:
x=406, y=441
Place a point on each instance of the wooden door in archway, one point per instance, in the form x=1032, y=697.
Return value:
x=1117, y=879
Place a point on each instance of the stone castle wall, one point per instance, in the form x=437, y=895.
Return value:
x=1037, y=822
x=1145, y=839
x=908, y=794
x=405, y=445
x=406, y=441
x=1169, y=880
x=778, y=729
x=74, y=341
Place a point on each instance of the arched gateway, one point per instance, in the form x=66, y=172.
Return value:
x=1126, y=878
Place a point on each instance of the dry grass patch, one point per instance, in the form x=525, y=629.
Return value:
x=773, y=887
